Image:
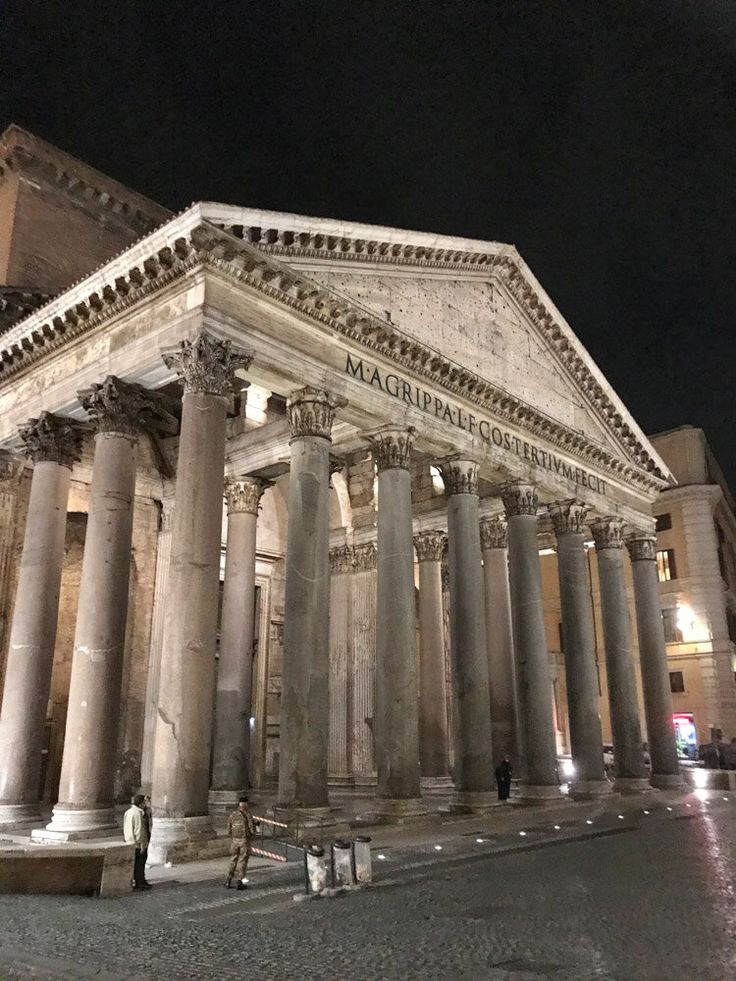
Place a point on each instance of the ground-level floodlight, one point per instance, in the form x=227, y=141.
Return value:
x=315, y=870
x=341, y=860
x=362, y=867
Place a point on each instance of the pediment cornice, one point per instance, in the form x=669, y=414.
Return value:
x=191, y=241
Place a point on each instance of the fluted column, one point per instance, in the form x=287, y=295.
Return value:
x=629, y=771
x=471, y=697
x=304, y=735
x=86, y=787
x=11, y=470
x=433, y=735
x=231, y=741
x=163, y=558
x=653, y=660
x=500, y=640
x=396, y=728
x=184, y=730
x=53, y=443
x=539, y=765
x=341, y=567
x=363, y=639
x=568, y=520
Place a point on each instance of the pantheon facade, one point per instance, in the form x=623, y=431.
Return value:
x=274, y=492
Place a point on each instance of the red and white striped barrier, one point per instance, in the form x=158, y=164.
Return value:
x=264, y=854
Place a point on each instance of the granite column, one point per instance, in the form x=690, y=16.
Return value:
x=628, y=756
x=184, y=727
x=473, y=770
x=539, y=763
x=589, y=780
x=304, y=738
x=53, y=443
x=653, y=660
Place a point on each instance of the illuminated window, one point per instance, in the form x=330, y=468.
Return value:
x=664, y=522
x=438, y=484
x=666, y=569
x=677, y=682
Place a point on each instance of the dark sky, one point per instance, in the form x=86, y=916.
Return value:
x=599, y=137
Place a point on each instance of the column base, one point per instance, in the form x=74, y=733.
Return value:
x=77, y=824
x=590, y=789
x=340, y=780
x=440, y=786
x=668, y=781
x=632, y=785
x=19, y=817
x=540, y=795
x=472, y=802
x=184, y=839
x=223, y=801
x=396, y=810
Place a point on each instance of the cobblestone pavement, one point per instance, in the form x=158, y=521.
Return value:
x=644, y=896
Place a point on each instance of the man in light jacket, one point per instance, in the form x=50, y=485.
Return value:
x=135, y=832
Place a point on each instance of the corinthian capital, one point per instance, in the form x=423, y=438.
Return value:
x=392, y=448
x=608, y=532
x=493, y=533
x=54, y=439
x=244, y=494
x=206, y=364
x=519, y=498
x=119, y=407
x=365, y=557
x=568, y=517
x=430, y=545
x=459, y=476
x=311, y=412
x=341, y=559
x=11, y=469
x=642, y=547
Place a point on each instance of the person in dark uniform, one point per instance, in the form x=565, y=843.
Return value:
x=503, y=778
x=240, y=827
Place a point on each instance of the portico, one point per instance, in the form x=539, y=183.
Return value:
x=327, y=508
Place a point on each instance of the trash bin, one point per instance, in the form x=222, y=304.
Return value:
x=315, y=870
x=362, y=866
x=341, y=854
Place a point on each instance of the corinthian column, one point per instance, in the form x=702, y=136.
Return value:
x=430, y=547
x=230, y=758
x=589, y=780
x=473, y=752
x=184, y=729
x=396, y=727
x=11, y=470
x=628, y=757
x=539, y=767
x=653, y=659
x=53, y=443
x=304, y=736
x=499, y=637
x=85, y=807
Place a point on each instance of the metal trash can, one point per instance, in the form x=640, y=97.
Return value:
x=341, y=856
x=362, y=865
x=315, y=870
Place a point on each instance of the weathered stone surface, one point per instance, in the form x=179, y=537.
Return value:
x=433, y=732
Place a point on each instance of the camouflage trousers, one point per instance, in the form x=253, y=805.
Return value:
x=239, y=855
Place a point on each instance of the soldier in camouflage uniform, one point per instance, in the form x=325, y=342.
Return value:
x=240, y=827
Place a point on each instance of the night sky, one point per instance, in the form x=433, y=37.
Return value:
x=598, y=137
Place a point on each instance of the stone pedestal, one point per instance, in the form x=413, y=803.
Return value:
x=86, y=791
x=433, y=737
x=231, y=744
x=629, y=771
x=186, y=692
x=54, y=444
x=304, y=735
x=568, y=519
x=539, y=763
x=397, y=726
x=500, y=640
x=653, y=659
x=473, y=753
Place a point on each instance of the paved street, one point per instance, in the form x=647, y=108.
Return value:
x=650, y=896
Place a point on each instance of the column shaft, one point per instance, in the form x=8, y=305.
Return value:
x=622, y=699
x=653, y=659
x=473, y=751
x=539, y=767
x=433, y=736
x=231, y=745
x=87, y=778
x=339, y=761
x=579, y=643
